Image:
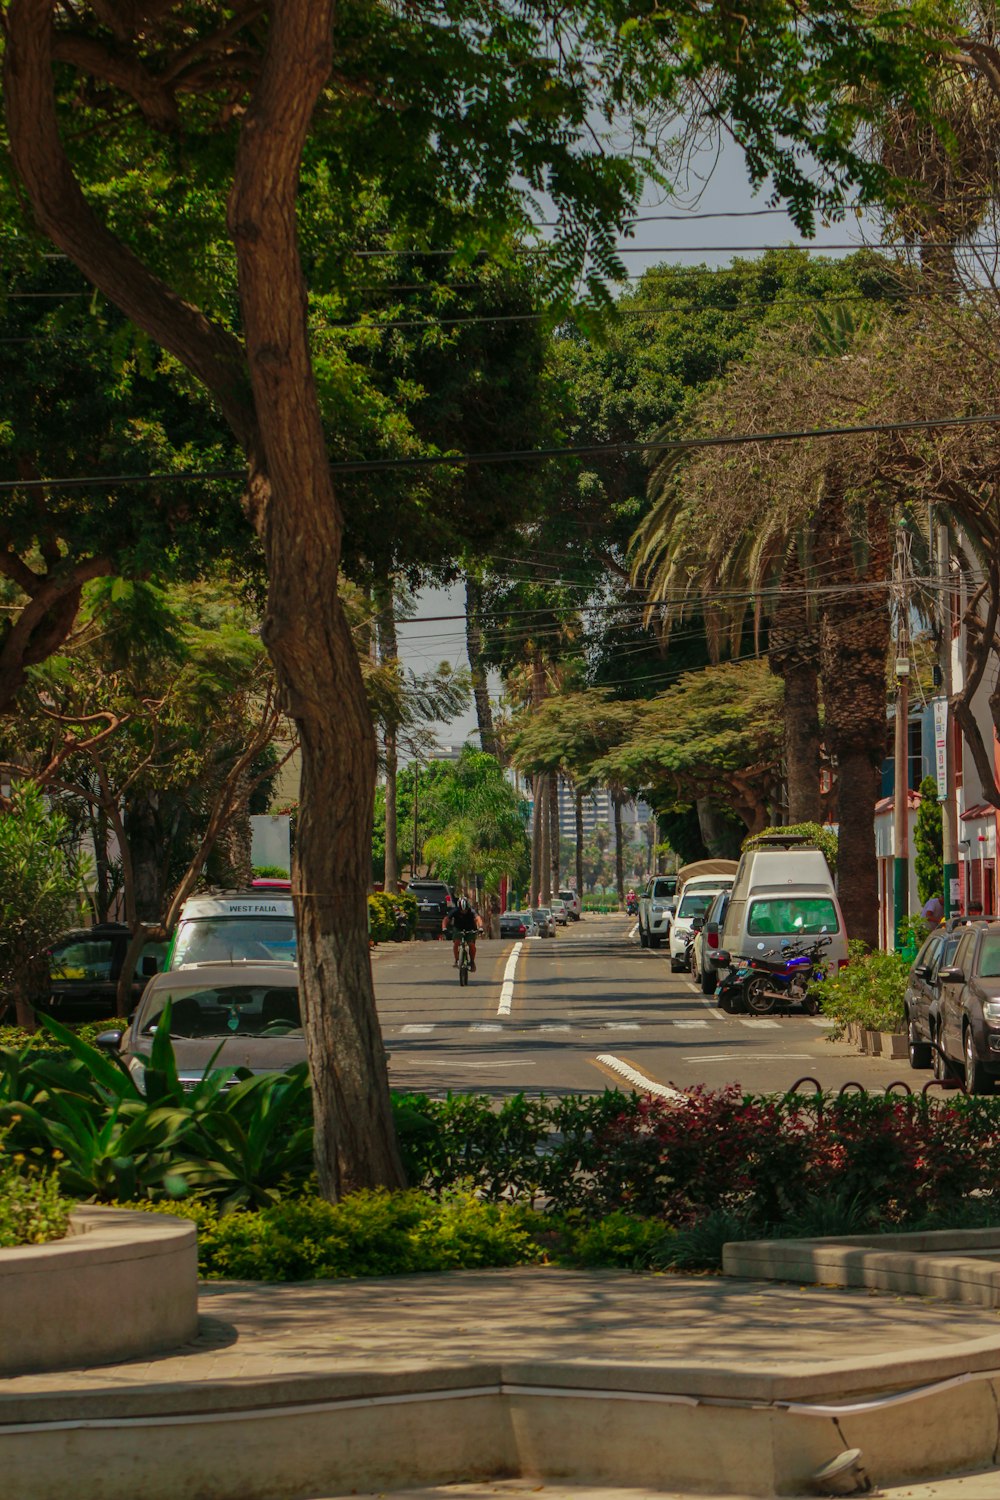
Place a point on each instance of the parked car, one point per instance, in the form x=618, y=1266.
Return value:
x=228, y=1015
x=221, y=925
x=560, y=911
x=513, y=925
x=544, y=921
x=656, y=910
x=698, y=886
x=784, y=890
x=965, y=1023
x=434, y=901
x=85, y=965
x=922, y=999
x=574, y=906
x=706, y=942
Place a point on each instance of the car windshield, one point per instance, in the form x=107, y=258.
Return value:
x=989, y=956
x=541, y=912
x=663, y=890
x=202, y=940
x=697, y=904
x=84, y=958
x=806, y=915
x=226, y=1010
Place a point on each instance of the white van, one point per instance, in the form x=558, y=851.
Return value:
x=698, y=886
x=229, y=925
x=784, y=892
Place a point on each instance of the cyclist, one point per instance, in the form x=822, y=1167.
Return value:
x=463, y=918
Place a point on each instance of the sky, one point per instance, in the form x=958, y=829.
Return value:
x=688, y=238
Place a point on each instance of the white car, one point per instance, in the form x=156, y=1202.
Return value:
x=696, y=897
x=573, y=904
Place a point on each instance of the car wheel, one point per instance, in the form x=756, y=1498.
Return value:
x=643, y=937
x=920, y=1051
x=977, y=1080
x=654, y=940
x=708, y=982
x=939, y=1062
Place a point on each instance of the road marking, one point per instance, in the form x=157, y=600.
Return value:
x=820, y=1021
x=638, y=1080
x=756, y=1023
x=621, y=1025
x=751, y=1057
x=416, y=1030
x=553, y=1028
x=487, y=1026
x=688, y=1024
x=635, y=929
x=507, y=987
x=508, y=1062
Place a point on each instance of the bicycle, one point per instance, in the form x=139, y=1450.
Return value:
x=464, y=958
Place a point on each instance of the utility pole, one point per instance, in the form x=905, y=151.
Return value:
x=900, y=800
x=944, y=731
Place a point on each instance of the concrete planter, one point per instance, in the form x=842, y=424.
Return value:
x=120, y=1285
x=872, y=1043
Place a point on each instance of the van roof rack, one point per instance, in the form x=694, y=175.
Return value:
x=782, y=841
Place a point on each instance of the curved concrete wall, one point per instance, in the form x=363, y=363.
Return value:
x=121, y=1284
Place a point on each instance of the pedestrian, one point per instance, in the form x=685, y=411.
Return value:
x=933, y=910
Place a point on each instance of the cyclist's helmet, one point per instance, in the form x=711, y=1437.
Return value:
x=463, y=903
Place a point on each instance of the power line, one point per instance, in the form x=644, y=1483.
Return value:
x=514, y=455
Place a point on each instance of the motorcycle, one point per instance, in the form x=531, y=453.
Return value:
x=632, y=904
x=760, y=981
x=784, y=976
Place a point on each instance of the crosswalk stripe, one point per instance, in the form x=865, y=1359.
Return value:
x=688, y=1024
x=486, y=1026
x=756, y=1022
x=417, y=1030
x=553, y=1028
x=820, y=1021
x=621, y=1025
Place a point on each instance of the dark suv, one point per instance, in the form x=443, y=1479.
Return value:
x=966, y=1025
x=433, y=903
x=84, y=966
x=923, y=989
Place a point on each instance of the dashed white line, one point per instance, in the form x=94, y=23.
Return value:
x=635, y=929
x=416, y=1030
x=507, y=987
x=621, y=1025
x=486, y=1026
x=553, y=1028
x=638, y=1080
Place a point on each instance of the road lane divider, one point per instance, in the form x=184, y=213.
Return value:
x=638, y=1080
x=507, y=987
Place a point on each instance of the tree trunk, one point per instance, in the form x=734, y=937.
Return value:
x=389, y=654
x=545, y=853
x=237, y=836
x=578, y=810
x=793, y=654
x=619, y=851
x=477, y=669
x=854, y=644
x=536, y=840
x=555, y=861
x=712, y=835
x=144, y=834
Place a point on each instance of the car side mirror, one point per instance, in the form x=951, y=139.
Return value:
x=721, y=959
x=148, y=966
x=951, y=976
x=921, y=971
x=109, y=1041
x=670, y=910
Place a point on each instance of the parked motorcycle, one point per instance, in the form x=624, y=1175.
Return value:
x=632, y=904
x=758, y=982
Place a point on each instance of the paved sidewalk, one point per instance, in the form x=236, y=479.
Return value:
x=769, y=1340
x=966, y=1487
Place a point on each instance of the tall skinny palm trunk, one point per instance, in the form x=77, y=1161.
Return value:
x=578, y=812
x=389, y=657
x=477, y=667
x=793, y=654
x=616, y=802
x=554, y=852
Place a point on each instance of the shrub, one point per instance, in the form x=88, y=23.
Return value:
x=868, y=992
x=383, y=913
x=618, y=1239
x=32, y=1209
x=821, y=834
x=270, y=872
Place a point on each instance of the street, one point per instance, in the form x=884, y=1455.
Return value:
x=588, y=1010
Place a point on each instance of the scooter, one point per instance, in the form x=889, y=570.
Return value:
x=632, y=904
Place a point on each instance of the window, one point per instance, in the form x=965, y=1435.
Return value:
x=803, y=915
x=929, y=952
x=697, y=904
x=963, y=952
x=87, y=959
x=235, y=1010
x=989, y=956
x=220, y=939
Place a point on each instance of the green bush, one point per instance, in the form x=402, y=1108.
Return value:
x=270, y=872
x=821, y=834
x=32, y=1209
x=382, y=910
x=367, y=1234
x=868, y=992
x=619, y=1239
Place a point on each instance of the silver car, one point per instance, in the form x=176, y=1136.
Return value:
x=560, y=912
x=228, y=1015
x=545, y=921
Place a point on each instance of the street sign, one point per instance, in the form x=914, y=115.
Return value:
x=941, y=746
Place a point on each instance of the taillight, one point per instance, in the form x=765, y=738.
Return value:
x=521, y=930
x=712, y=939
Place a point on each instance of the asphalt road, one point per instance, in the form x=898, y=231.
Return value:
x=578, y=1012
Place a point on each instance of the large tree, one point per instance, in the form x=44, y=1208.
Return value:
x=478, y=103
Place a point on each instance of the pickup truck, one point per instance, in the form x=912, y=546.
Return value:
x=656, y=909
